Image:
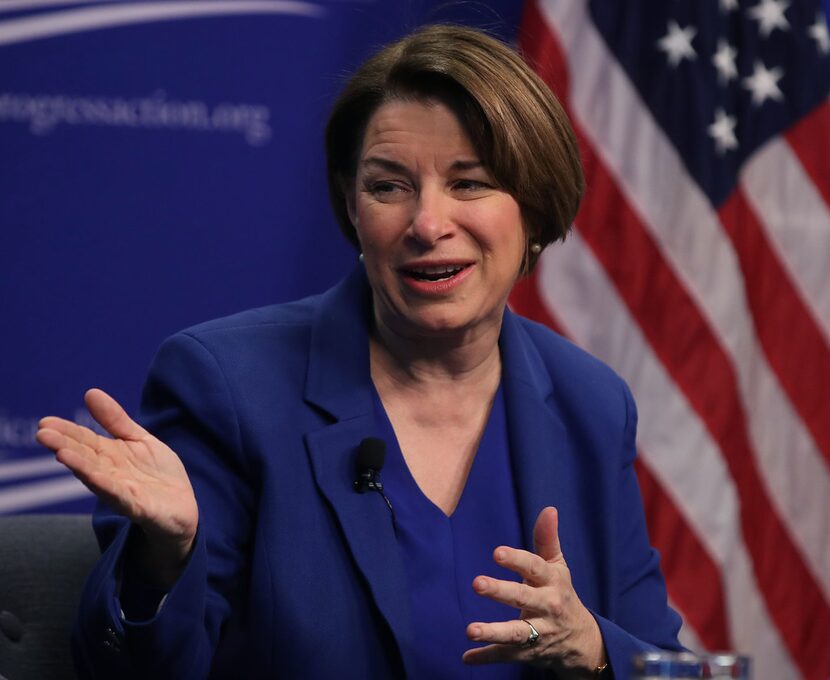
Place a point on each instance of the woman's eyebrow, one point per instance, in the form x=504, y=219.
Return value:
x=467, y=164
x=383, y=164
x=395, y=166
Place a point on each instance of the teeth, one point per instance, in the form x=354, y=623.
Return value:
x=436, y=273
x=440, y=269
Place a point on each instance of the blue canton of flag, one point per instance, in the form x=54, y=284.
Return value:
x=721, y=78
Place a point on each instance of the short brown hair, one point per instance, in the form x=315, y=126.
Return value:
x=515, y=122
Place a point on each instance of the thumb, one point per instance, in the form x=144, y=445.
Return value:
x=111, y=416
x=546, y=535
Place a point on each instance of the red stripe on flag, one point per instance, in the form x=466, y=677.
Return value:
x=792, y=342
x=691, y=354
x=692, y=576
x=804, y=138
x=525, y=300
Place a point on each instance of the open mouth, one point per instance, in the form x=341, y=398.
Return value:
x=437, y=273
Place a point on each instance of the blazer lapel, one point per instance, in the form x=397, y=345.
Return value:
x=539, y=447
x=339, y=383
x=365, y=520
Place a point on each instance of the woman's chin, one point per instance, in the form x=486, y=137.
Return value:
x=439, y=326
x=439, y=321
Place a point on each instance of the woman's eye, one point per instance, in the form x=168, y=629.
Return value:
x=384, y=189
x=470, y=185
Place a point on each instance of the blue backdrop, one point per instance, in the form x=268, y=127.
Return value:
x=161, y=164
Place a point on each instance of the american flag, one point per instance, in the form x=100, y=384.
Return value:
x=700, y=270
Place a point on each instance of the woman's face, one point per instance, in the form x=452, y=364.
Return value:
x=442, y=243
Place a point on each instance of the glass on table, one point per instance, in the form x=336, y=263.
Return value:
x=670, y=665
x=727, y=666
x=666, y=665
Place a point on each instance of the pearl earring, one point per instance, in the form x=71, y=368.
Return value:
x=360, y=257
x=535, y=248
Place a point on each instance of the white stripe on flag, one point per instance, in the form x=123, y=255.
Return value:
x=796, y=221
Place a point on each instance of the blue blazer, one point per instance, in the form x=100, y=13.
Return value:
x=295, y=575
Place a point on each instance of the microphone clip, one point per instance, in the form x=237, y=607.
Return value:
x=368, y=480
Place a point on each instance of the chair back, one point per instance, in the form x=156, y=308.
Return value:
x=44, y=562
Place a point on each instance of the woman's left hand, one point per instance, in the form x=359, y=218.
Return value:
x=569, y=638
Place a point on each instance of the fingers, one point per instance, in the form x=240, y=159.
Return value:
x=546, y=535
x=535, y=568
x=111, y=416
x=59, y=435
x=506, y=640
x=81, y=458
x=78, y=448
x=500, y=633
x=550, y=601
x=516, y=595
x=67, y=428
x=106, y=411
x=95, y=463
x=70, y=450
x=546, y=597
x=532, y=568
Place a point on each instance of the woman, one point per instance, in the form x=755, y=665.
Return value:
x=236, y=545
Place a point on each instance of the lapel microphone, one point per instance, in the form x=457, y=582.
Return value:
x=371, y=454
x=370, y=458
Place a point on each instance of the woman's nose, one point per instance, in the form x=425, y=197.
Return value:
x=432, y=219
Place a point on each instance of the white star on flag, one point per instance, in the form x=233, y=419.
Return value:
x=677, y=43
x=818, y=32
x=770, y=15
x=724, y=61
x=763, y=83
x=728, y=5
x=723, y=132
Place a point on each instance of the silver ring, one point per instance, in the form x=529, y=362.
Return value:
x=533, y=638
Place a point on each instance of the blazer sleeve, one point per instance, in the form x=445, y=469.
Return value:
x=187, y=404
x=640, y=619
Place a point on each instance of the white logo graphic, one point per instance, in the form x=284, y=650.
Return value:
x=100, y=15
x=39, y=481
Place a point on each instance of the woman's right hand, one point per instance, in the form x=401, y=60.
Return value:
x=137, y=475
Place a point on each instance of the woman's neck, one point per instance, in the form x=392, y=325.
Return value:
x=430, y=361
x=437, y=393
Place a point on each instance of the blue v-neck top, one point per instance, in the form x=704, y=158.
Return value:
x=444, y=554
